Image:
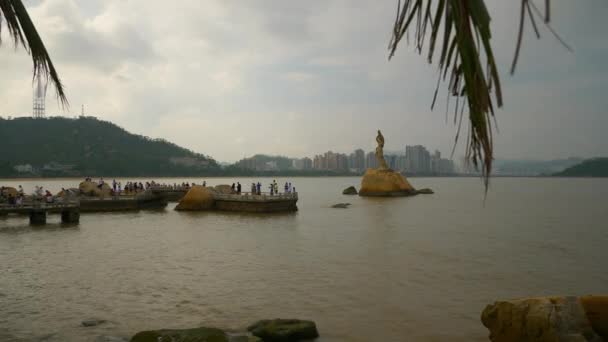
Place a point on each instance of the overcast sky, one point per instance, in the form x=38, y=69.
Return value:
x=234, y=78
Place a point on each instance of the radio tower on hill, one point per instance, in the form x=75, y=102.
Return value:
x=39, y=98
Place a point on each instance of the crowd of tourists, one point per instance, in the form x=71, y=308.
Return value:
x=117, y=188
x=256, y=188
x=12, y=197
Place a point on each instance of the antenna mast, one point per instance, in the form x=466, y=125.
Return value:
x=39, y=99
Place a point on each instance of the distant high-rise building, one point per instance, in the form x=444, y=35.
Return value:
x=418, y=159
x=306, y=163
x=359, y=160
x=341, y=162
x=370, y=160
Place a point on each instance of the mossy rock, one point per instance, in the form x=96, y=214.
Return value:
x=284, y=330
x=182, y=335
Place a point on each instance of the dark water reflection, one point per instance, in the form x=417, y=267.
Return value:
x=394, y=269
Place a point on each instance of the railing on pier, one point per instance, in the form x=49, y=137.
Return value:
x=160, y=188
x=254, y=197
x=38, y=206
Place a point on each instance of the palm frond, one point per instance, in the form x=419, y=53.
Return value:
x=466, y=54
x=22, y=31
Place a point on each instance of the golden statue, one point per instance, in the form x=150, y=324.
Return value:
x=379, y=152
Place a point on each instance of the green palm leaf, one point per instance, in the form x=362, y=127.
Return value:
x=466, y=54
x=22, y=31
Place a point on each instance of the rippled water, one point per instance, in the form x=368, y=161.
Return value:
x=397, y=269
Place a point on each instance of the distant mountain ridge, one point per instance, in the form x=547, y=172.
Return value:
x=595, y=167
x=60, y=146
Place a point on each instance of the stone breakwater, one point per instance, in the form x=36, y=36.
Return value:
x=201, y=198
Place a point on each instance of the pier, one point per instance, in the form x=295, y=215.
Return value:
x=262, y=203
x=37, y=211
x=172, y=194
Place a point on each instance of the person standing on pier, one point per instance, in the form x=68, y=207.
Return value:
x=259, y=188
x=233, y=188
x=238, y=188
x=286, y=187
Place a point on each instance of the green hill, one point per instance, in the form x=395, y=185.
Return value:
x=596, y=167
x=60, y=146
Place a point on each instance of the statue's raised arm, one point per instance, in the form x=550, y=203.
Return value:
x=380, y=151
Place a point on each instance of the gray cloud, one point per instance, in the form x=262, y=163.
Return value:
x=231, y=79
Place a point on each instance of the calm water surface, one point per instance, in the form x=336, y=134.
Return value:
x=398, y=269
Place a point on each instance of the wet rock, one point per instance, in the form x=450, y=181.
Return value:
x=92, y=322
x=425, y=191
x=554, y=319
x=351, y=190
x=182, y=335
x=340, y=205
x=284, y=330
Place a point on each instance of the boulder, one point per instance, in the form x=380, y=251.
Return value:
x=224, y=189
x=197, y=198
x=7, y=190
x=543, y=319
x=385, y=183
x=182, y=335
x=92, y=189
x=351, y=190
x=340, y=205
x=425, y=191
x=596, y=308
x=71, y=192
x=284, y=330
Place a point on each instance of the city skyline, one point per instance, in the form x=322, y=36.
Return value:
x=415, y=159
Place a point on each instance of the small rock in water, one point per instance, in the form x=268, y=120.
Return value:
x=284, y=330
x=351, y=190
x=425, y=191
x=92, y=322
x=341, y=205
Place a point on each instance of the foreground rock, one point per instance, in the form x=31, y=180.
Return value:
x=197, y=198
x=351, y=190
x=182, y=335
x=340, y=205
x=284, y=330
x=547, y=319
x=385, y=183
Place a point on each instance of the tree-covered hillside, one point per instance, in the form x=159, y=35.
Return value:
x=596, y=167
x=87, y=146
